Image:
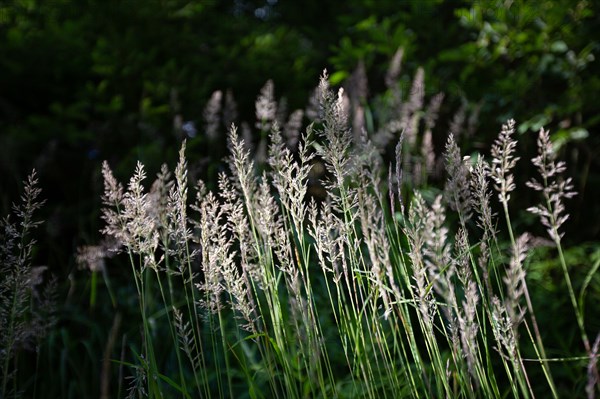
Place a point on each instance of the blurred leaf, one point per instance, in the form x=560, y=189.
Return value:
x=338, y=77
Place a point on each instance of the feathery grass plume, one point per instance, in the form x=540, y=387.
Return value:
x=113, y=190
x=393, y=72
x=291, y=130
x=468, y=323
x=456, y=189
x=335, y=131
x=358, y=119
x=344, y=103
x=291, y=246
x=299, y=307
x=437, y=251
x=139, y=232
x=461, y=256
x=367, y=162
x=312, y=110
x=391, y=196
x=473, y=120
x=112, y=199
x=427, y=154
x=211, y=238
x=211, y=115
x=335, y=247
x=324, y=229
x=504, y=330
x=432, y=268
x=505, y=334
x=242, y=169
x=593, y=383
x=480, y=197
x=433, y=110
x=441, y=268
x=282, y=111
x=93, y=257
x=503, y=160
x=239, y=286
x=168, y=200
x=358, y=82
x=163, y=208
x=22, y=308
x=512, y=312
x=515, y=282
x=186, y=339
x=131, y=221
x=373, y=229
x=159, y=197
x=394, y=115
x=236, y=287
x=289, y=177
x=417, y=172
x=179, y=233
x=217, y=262
x=266, y=107
x=417, y=235
x=397, y=115
x=252, y=274
x=137, y=383
x=398, y=160
x=328, y=231
x=268, y=217
x=357, y=88
x=552, y=210
x=260, y=243
x=458, y=121
x=207, y=233
x=553, y=187
x=483, y=261
x=409, y=116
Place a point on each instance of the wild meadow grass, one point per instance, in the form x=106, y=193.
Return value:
x=27, y=306
x=384, y=287
x=377, y=290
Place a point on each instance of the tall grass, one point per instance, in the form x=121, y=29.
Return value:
x=27, y=305
x=378, y=290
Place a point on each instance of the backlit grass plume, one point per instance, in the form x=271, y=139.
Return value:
x=372, y=291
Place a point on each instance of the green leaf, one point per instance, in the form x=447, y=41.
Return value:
x=338, y=77
x=174, y=385
x=579, y=133
x=559, y=46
